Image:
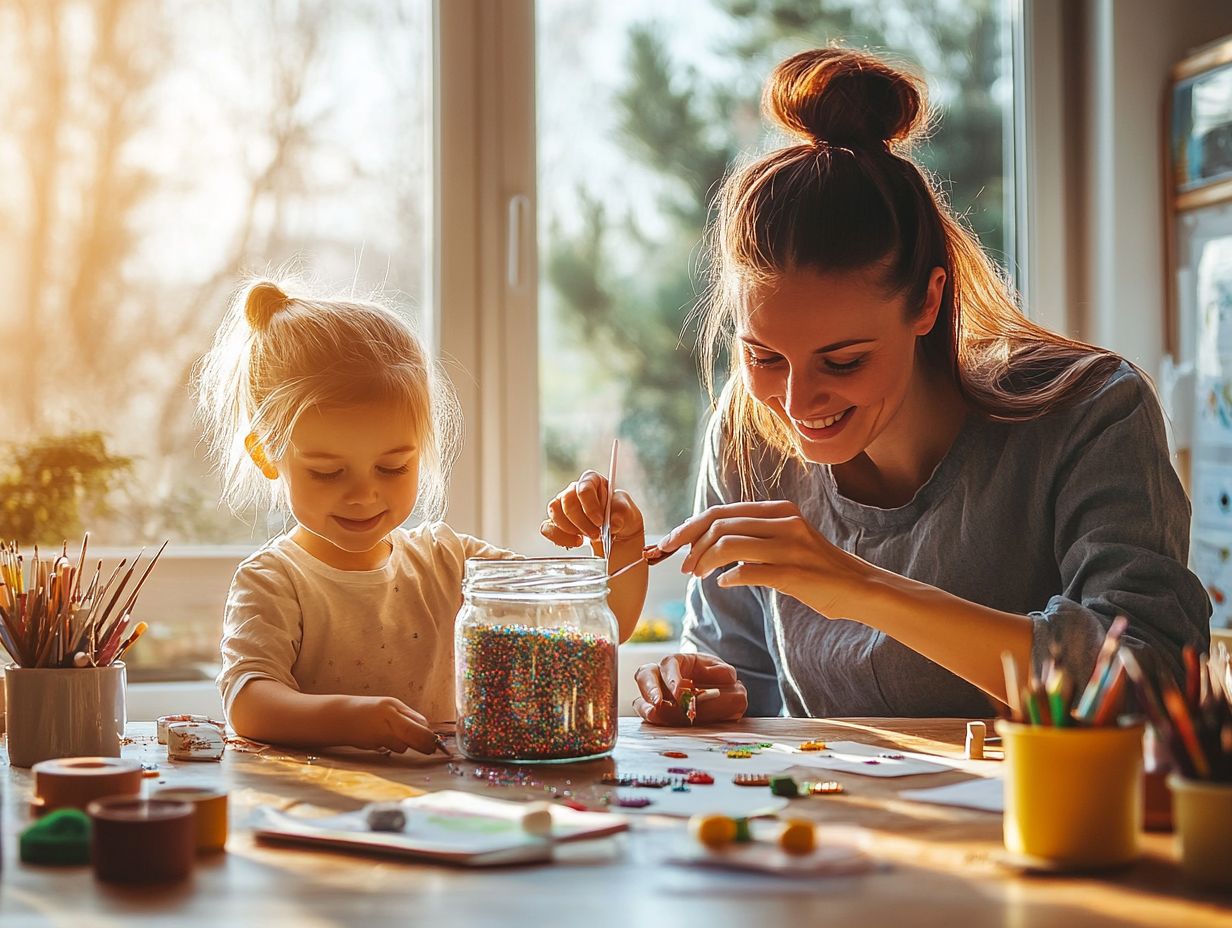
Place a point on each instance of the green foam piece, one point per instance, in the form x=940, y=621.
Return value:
x=60, y=838
x=784, y=786
x=743, y=835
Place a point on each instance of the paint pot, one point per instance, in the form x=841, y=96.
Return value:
x=194, y=741
x=74, y=782
x=165, y=720
x=209, y=813
x=141, y=840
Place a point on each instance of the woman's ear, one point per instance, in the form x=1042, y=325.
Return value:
x=252, y=444
x=924, y=322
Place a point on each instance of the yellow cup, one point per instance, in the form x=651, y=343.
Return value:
x=1202, y=816
x=1073, y=796
x=209, y=813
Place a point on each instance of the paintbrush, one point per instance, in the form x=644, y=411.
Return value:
x=605, y=531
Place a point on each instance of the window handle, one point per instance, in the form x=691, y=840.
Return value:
x=518, y=205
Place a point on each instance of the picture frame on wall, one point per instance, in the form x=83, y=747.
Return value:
x=1198, y=317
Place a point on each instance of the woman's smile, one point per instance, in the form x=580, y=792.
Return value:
x=823, y=427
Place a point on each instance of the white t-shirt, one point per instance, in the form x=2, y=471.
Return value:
x=317, y=629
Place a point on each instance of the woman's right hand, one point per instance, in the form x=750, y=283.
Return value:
x=376, y=722
x=660, y=685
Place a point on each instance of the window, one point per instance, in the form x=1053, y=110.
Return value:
x=643, y=108
x=530, y=178
x=155, y=152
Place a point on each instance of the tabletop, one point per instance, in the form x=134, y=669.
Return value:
x=936, y=864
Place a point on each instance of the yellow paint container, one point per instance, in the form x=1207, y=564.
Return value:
x=1073, y=796
x=209, y=813
x=1202, y=819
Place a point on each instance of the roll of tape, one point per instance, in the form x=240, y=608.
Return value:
x=165, y=720
x=141, y=840
x=74, y=782
x=194, y=741
x=209, y=813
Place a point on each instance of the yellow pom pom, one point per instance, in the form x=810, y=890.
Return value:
x=714, y=831
x=798, y=837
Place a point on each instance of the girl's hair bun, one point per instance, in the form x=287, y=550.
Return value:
x=264, y=299
x=845, y=98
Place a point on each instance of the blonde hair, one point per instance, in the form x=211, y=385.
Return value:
x=847, y=197
x=276, y=356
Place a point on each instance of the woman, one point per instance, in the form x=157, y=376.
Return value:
x=904, y=477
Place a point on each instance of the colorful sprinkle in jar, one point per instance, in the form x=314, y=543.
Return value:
x=535, y=660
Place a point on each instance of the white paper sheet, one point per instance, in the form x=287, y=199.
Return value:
x=986, y=794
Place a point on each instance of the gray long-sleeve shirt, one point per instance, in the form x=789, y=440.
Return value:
x=1072, y=519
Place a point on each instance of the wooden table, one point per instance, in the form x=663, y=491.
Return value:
x=941, y=862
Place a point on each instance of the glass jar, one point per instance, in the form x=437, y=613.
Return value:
x=535, y=661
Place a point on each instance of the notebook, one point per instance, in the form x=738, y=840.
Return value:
x=449, y=827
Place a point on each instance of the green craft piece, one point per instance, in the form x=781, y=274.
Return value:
x=743, y=835
x=784, y=786
x=60, y=838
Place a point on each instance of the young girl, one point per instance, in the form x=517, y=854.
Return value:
x=340, y=631
x=905, y=477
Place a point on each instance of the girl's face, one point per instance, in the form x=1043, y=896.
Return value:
x=831, y=356
x=352, y=476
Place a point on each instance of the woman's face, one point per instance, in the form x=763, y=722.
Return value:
x=832, y=356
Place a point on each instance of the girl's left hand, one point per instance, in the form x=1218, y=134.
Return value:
x=576, y=514
x=772, y=545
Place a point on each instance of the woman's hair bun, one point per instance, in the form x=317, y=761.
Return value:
x=264, y=299
x=845, y=98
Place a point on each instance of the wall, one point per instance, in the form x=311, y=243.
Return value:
x=1118, y=57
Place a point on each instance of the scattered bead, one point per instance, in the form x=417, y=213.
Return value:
x=872, y=761
x=784, y=786
x=676, y=754
x=537, y=819
x=751, y=779
x=743, y=834
x=739, y=754
x=679, y=769
x=632, y=802
x=699, y=778
x=813, y=746
x=688, y=702
x=825, y=788
x=798, y=837
x=976, y=733
x=891, y=756
x=714, y=831
x=385, y=816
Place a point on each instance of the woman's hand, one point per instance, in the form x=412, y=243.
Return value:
x=576, y=514
x=383, y=722
x=661, y=686
x=772, y=545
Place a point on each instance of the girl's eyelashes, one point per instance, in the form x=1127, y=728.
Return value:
x=335, y=474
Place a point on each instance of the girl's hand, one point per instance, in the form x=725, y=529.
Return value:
x=772, y=545
x=661, y=686
x=383, y=722
x=576, y=514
